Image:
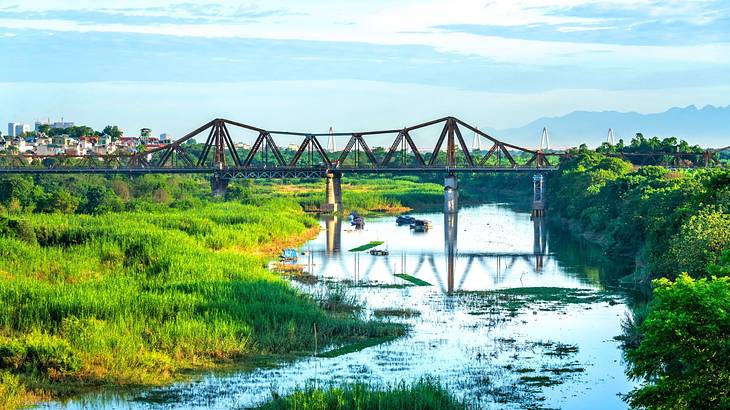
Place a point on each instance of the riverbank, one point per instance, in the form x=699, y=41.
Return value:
x=676, y=224
x=144, y=298
x=393, y=194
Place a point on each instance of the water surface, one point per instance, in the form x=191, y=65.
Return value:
x=498, y=350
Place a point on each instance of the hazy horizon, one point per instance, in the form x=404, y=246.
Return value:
x=172, y=65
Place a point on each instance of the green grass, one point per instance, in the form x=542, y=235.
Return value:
x=367, y=246
x=414, y=280
x=362, y=194
x=422, y=395
x=137, y=298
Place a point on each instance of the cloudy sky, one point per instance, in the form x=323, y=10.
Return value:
x=172, y=65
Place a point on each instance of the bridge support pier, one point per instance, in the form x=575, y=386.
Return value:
x=538, y=198
x=333, y=192
x=451, y=195
x=218, y=185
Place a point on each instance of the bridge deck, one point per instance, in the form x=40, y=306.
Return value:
x=270, y=172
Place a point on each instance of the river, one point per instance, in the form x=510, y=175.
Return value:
x=517, y=314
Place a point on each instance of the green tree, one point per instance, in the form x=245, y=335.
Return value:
x=700, y=241
x=113, y=131
x=684, y=355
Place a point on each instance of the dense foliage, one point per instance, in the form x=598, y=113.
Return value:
x=135, y=297
x=423, y=395
x=674, y=220
x=685, y=352
x=98, y=194
x=677, y=224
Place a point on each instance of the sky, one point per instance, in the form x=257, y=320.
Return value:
x=173, y=65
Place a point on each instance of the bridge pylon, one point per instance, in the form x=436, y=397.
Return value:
x=218, y=184
x=538, y=197
x=451, y=194
x=333, y=192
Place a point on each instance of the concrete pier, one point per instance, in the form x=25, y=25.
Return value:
x=451, y=194
x=538, y=199
x=539, y=247
x=333, y=225
x=333, y=193
x=451, y=218
x=218, y=185
x=451, y=229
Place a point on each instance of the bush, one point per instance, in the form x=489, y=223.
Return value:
x=12, y=391
x=684, y=354
x=39, y=353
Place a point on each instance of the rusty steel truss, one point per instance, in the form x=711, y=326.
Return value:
x=264, y=158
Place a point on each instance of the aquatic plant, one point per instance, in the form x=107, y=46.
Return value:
x=424, y=394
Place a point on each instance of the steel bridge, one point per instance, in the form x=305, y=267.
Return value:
x=220, y=157
x=265, y=159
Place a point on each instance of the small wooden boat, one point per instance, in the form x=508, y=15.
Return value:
x=404, y=220
x=420, y=225
x=288, y=254
x=358, y=222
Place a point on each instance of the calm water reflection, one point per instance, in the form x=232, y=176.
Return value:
x=480, y=248
x=480, y=356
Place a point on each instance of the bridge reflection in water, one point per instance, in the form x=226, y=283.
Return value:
x=427, y=262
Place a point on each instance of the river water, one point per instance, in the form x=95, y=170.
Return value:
x=517, y=314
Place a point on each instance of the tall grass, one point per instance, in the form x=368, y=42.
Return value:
x=361, y=194
x=426, y=394
x=137, y=297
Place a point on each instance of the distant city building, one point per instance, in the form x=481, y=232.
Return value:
x=145, y=132
x=165, y=137
x=62, y=125
x=16, y=129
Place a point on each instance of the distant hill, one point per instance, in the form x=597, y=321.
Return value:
x=707, y=127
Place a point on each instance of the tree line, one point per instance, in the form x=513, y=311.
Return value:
x=676, y=223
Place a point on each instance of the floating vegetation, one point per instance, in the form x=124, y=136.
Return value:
x=510, y=302
x=367, y=246
x=356, y=346
x=539, y=381
x=397, y=312
x=414, y=280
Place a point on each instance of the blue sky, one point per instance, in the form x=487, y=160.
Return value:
x=172, y=65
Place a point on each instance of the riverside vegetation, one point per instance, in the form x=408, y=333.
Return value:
x=676, y=223
x=92, y=297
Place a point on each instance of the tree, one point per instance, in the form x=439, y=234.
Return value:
x=113, y=131
x=16, y=188
x=684, y=354
x=700, y=241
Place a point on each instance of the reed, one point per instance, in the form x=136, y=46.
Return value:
x=137, y=297
x=421, y=395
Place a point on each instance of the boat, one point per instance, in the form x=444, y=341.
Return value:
x=288, y=254
x=404, y=220
x=358, y=222
x=420, y=225
x=379, y=252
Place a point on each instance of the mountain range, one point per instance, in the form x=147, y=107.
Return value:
x=707, y=127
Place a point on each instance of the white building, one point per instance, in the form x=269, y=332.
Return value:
x=62, y=124
x=16, y=129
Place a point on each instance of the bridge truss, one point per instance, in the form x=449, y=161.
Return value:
x=265, y=158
